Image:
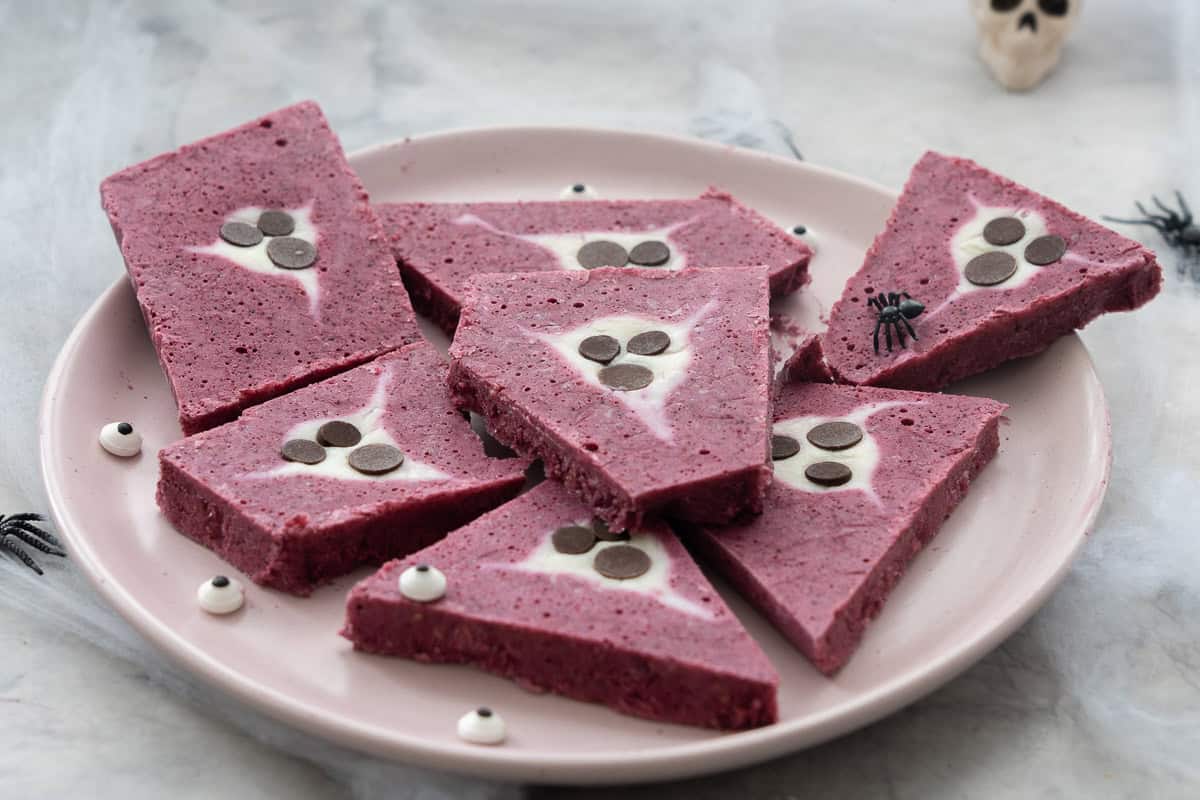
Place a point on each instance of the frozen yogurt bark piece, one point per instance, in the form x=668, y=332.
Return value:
x=258, y=264
x=362, y=467
x=539, y=593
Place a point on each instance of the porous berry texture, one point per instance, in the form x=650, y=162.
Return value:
x=560, y=633
x=293, y=532
x=965, y=333
x=228, y=337
x=712, y=466
x=440, y=246
x=820, y=566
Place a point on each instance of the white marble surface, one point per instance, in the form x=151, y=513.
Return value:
x=1098, y=696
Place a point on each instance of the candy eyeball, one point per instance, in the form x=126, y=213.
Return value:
x=577, y=191
x=481, y=726
x=220, y=595
x=423, y=583
x=121, y=439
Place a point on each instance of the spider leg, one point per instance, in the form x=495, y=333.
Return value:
x=1156, y=217
x=900, y=334
x=887, y=331
x=1158, y=226
x=24, y=517
x=1183, y=206
x=35, y=542
x=29, y=527
x=875, y=338
x=907, y=324
x=1171, y=215
x=16, y=550
x=893, y=299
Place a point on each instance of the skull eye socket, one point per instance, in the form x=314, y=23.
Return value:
x=1054, y=8
x=1005, y=5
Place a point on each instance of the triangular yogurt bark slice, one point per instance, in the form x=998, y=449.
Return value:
x=359, y=468
x=541, y=593
x=642, y=391
x=1002, y=272
x=864, y=478
x=440, y=246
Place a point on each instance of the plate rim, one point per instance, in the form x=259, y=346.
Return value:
x=661, y=763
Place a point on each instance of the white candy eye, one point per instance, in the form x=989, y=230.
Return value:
x=120, y=439
x=576, y=191
x=422, y=583
x=220, y=595
x=481, y=726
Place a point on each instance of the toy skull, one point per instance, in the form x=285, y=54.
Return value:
x=1021, y=40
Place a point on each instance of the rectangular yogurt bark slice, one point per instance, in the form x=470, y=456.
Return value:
x=540, y=593
x=1002, y=272
x=643, y=391
x=243, y=305
x=440, y=246
x=365, y=466
x=864, y=478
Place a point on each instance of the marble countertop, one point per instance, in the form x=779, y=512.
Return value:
x=1097, y=696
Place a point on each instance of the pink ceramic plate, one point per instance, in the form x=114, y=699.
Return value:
x=995, y=562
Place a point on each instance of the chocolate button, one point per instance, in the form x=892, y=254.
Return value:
x=626, y=377
x=375, y=459
x=573, y=540
x=990, y=268
x=835, y=435
x=601, y=349
x=304, y=451
x=783, y=447
x=241, y=234
x=1003, y=230
x=606, y=535
x=1045, y=250
x=276, y=223
x=650, y=343
x=621, y=562
x=650, y=254
x=288, y=252
x=827, y=473
x=602, y=254
x=338, y=434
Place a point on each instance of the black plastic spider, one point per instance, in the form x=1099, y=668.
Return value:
x=18, y=528
x=1177, y=227
x=895, y=309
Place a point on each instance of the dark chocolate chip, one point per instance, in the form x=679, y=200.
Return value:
x=652, y=253
x=602, y=254
x=601, y=349
x=220, y=581
x=483, y=711
x=837, y=435
x=375, y=459
x=604, y=534
x=626, y=377
x=621, y=562
x=991, y=268
x=422, y=568
x=1045, y=250
x=241, y=234
x=276, y=223
x=338, y=434
x=124, y=428
x=573, y=539
x=648, y=343
x=579, y=188
x=303, y=451
x=827, y=473
x=1003, y=230
x=288, y=252
x=783, y=447
x=799, y=230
